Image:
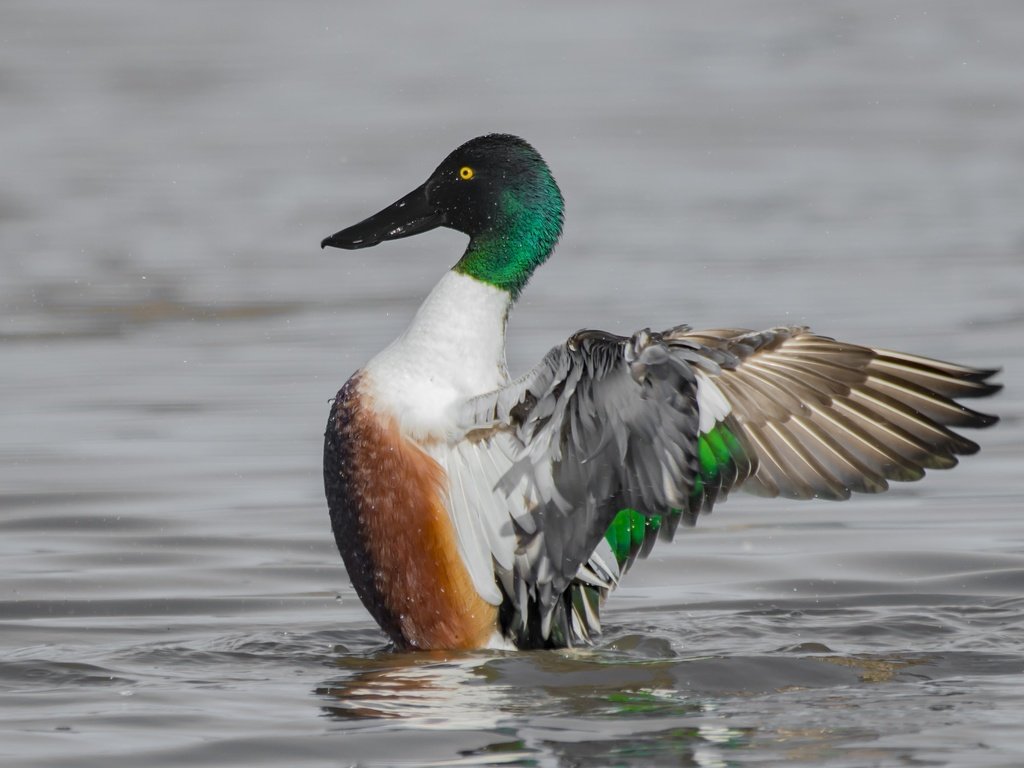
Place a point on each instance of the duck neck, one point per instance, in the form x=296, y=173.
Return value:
x=520, y=238
x=459, y=332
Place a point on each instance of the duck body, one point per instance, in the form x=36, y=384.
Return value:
x=387, y=491
x=473, y=511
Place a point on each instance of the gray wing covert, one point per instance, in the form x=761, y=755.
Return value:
x=604, y=423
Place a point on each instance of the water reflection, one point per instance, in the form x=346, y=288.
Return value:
x=632, y=712
x=430, y=689
x=612, y=704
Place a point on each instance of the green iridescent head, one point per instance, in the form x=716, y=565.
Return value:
x=498, y=190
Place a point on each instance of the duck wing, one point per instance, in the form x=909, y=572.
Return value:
x=824, y=418
x=566, y=474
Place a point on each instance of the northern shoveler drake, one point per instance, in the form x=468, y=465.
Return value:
x=473, y=511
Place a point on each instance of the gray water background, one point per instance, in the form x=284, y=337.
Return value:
x=170, y=334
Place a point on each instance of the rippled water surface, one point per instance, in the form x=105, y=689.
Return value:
x=170, y=335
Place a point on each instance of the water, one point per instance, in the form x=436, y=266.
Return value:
x=169, y=590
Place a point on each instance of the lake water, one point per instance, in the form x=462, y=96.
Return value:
x=170, y=334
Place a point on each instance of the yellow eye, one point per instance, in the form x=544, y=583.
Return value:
x=466, y=173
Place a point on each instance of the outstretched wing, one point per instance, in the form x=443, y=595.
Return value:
x=824, y=418
x=620, y=438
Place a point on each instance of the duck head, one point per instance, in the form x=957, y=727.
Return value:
x=498, y=190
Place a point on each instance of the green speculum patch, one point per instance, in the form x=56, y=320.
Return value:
x=627, y=532
x=718, y=452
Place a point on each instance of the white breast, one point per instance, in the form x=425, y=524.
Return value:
x=453, y=349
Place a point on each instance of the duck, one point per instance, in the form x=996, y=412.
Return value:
x=472, y=510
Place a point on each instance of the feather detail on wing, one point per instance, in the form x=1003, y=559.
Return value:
x=824, y=418
x=613, y=441
x=603, y=424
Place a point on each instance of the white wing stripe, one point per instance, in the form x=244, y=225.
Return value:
x=711, y=402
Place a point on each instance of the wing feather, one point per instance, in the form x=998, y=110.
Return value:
x=651, y=430
x=825, y=418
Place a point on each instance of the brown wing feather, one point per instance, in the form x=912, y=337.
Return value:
x=825, y=418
